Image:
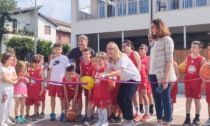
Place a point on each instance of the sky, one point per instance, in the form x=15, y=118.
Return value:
x=58, y=9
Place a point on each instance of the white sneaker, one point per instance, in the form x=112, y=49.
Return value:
x=124, y=122
x=129, y=123
x=105, y=123
x=98, y=123
x=158, y=124
x=207, y=123
x=9, y=122
x=3, y=124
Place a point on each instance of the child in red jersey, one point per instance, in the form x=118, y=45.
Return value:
x=85, y=66
x=193, y=88
x=35, y=89
x=101, y=91
x=70, y=92
x=144, y=80
x=41, y=115
x=206, y=89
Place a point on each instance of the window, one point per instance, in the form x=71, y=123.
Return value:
x=201, y=3
x=187, y=3
x=174, y=4
x=47, y=30
x=144, y=6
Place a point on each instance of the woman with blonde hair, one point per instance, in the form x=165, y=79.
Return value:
x=161, y=70
x=118, y=64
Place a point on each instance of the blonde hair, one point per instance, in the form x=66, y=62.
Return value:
x=83, y=37
x=117, y=53
x=19, y=67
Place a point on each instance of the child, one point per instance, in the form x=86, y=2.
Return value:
x=8, y=78
x=20, y=92
x=193, y=88
x=57, y=69
x=85, y=66
x=12, y=51
x=174, y=88
x=101, y=95
x=35, y=89
x=41, y=57
x=70, y=90
x=144, y=81
x=206, y=88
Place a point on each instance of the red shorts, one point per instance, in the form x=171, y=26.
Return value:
x=143, y=84
x=70, y=95
x=149, y=89
x=101, y=102
x=114, y=100
x=174, y=92
x=193, y=89
x=55, y=89
x=31, y=101
x=208, y=97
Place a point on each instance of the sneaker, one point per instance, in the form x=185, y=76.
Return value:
x=196, y=122
x=9, y=122
x=24, y=119
x=111, y=118
x=151, y=111
x=158, y=124
x=27, y=116
x=130, y=123
x=18, y=120
x=118, y=119
x=87, y=122
x=105, y=123
x=62, y=117
x=98, y=123
x=187, y=122
x=52, y=116
x=137, y=118
x=145, y=117
x=79, y=118
x=41, y=115
x=207, y=123
x=124, y=122
x=34, y=118
x=3, y=124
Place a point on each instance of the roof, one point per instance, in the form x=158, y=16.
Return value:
x=24, y=10
x=46, y=18
x=58, y=22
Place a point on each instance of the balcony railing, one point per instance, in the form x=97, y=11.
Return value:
x=167, y=5
x=113, y=9
x=21, y=28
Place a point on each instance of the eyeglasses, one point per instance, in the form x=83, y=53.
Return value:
x=109, y=49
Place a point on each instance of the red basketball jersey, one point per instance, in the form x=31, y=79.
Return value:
x=86, y=68
x=101, y=87
x=34, y=87
x=131, y=56
x=71, y=88
x=144, y=67
x=193, y=67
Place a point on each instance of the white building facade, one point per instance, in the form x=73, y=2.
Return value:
x=116, y=20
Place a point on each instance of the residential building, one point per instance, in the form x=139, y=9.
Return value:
x=116, y=20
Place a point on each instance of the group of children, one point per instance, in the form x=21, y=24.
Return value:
x=28, y=91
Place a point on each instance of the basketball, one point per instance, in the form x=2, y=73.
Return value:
x=89, y=80
x=71, y=115
x=182, y=68
x=205, y=70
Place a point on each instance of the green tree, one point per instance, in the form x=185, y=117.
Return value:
x=25, y=45
x=66, y=48
x=44, y=48
x=7, y=5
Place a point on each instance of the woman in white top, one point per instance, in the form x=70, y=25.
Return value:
x=8, y=78
x=118, y=64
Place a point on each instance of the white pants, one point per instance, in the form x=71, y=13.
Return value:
x=6, y=97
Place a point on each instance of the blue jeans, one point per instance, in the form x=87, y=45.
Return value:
x=125, y=97
x=163, y=105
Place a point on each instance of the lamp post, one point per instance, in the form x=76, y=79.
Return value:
x=35, y=29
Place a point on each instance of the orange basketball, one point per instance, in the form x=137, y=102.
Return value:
x=71, y=115
x=205, y=70
x=182, y=68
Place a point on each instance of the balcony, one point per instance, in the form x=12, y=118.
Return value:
x=113, y=9
x=19, y=28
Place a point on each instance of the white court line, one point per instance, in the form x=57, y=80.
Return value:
x=156, y=117
x=135, y=124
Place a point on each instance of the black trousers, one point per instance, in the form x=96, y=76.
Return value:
x=125, y=97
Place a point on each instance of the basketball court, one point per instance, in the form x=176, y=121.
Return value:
x=178, y=116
